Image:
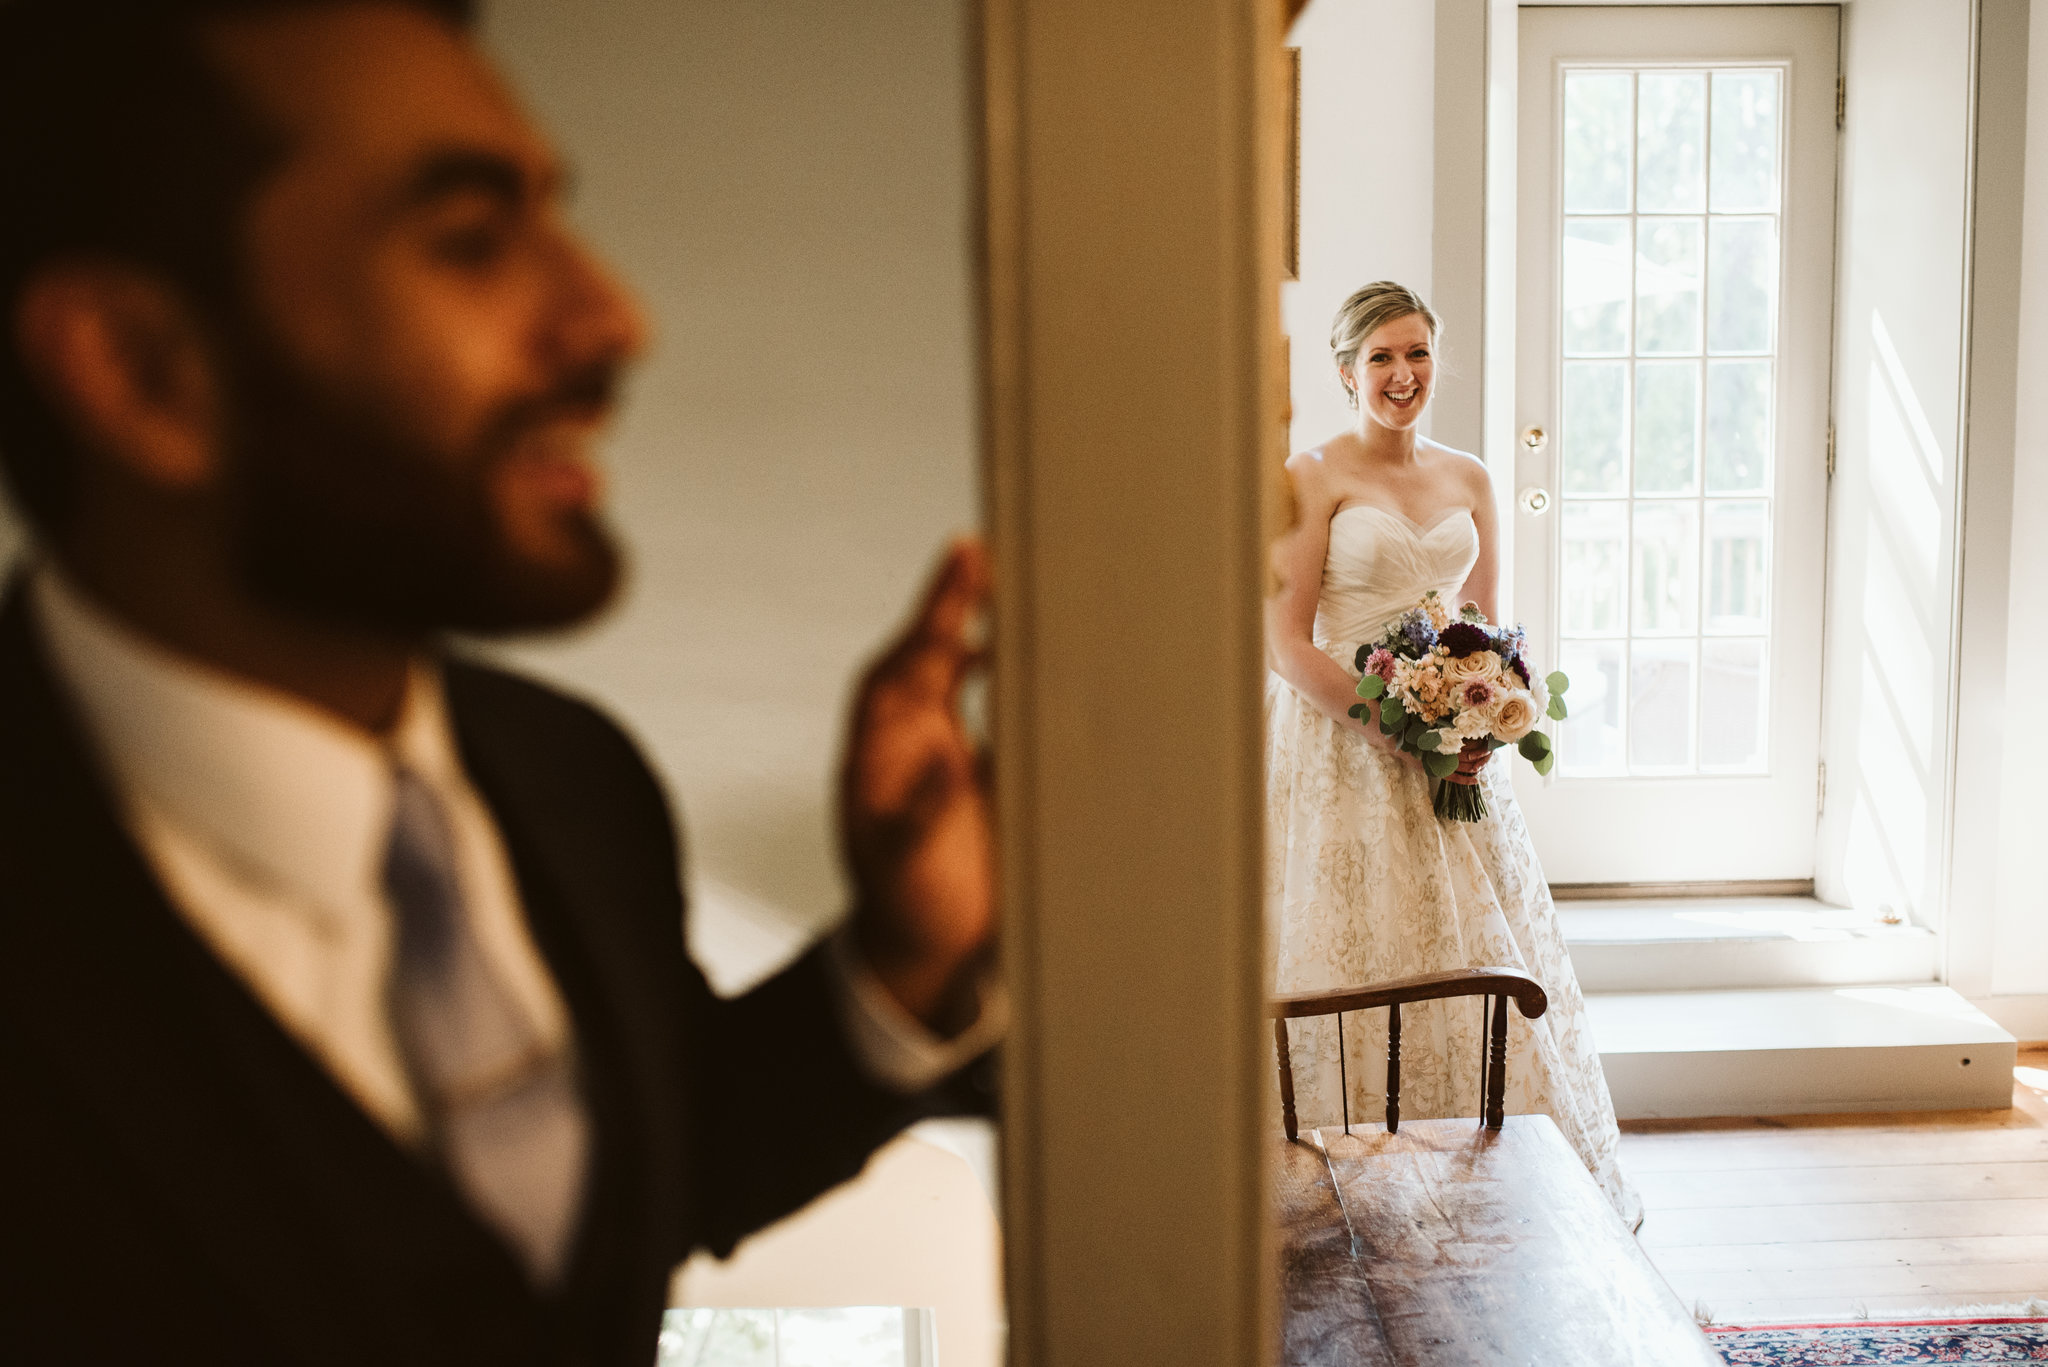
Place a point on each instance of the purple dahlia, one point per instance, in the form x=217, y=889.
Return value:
x=1464, y=638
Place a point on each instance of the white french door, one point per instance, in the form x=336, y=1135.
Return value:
x=1675, y=275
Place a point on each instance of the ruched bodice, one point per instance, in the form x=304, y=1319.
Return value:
x=1380, y=564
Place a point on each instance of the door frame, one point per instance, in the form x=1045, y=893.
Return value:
x=1132, y=333
x=1778, y=850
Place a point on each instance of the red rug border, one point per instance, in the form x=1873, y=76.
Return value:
x=1877, y=1324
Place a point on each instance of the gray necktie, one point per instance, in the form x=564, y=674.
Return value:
x=500, y=1102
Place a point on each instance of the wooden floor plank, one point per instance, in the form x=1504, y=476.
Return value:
x=1867, y=1220
x=1754, y=1220
x=1743, y=1153
x=1968, y=1281
x=2003, y=1249
x=1895, y=1182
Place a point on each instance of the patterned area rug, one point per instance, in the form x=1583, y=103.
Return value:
x=1881, y=1344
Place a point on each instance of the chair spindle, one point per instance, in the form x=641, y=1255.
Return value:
x=1485, y=1059
x=1286, y=1078
x=1497, y=1077
x=1343, y=1081
x=1394, y=1068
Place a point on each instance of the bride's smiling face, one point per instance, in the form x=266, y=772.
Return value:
x=1395, y=371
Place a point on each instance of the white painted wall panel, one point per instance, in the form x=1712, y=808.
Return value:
x=789, y=188
x=1898, y=368
x=1367, y=151
x=2021, y=924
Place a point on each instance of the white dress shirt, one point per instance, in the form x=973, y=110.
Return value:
x=266, y=820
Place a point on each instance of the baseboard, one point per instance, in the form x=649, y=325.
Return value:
x=1634, y=892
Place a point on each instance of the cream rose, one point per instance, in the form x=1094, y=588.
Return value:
x=1480, y=664
x=1514, y=715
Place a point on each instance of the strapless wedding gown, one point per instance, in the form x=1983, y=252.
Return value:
x=1364, y=883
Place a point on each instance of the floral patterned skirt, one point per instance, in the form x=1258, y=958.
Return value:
x=1364, y=883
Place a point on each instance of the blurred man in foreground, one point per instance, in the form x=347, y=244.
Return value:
x=344, y=1012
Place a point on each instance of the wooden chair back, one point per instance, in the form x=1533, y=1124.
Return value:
x=1497, y=985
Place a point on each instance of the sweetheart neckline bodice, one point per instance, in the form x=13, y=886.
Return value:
x=1372, y=574
x=1420, y=528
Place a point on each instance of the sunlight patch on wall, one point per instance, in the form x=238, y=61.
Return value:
x=1894, y=706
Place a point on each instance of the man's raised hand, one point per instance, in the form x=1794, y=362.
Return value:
x=915, y=809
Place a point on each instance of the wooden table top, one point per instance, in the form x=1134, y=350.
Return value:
x=1450, y=1244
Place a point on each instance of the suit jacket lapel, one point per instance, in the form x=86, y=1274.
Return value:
x=332, y=1238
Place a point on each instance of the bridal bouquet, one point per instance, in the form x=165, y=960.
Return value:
x=1443, y=684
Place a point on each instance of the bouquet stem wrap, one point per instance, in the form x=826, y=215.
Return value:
x=1460, y=801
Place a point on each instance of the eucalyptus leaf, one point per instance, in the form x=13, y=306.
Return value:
x=1556, y=681
x=1544, y=765
x=1440, y=766
x=1557, y=710
x=1393, y=717
x=1372, y=686
x=1534, y=746
x=1417, y=729
x=1359, y=709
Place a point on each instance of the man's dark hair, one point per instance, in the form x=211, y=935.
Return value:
x=120, y=138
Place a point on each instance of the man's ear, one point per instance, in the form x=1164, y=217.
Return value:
x=127, y=365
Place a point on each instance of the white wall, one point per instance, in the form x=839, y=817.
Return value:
x=788, y=187
x=1898, y=418
x=2021, y=925
x=1367, y=152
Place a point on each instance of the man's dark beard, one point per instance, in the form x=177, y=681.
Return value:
x=342, y=518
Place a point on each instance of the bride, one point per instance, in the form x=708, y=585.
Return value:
x=1364, y=881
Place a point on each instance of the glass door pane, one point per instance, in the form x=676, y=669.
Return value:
x=1669, y=222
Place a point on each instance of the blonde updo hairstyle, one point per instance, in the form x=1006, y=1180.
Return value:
x=1366, y=312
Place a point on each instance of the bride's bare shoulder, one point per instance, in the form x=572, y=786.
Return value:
x=1462, y=466
x=1315, y=470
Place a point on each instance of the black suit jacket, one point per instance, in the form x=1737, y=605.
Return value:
x=181, y=1182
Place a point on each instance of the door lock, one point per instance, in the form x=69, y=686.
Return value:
x=1535, y=438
